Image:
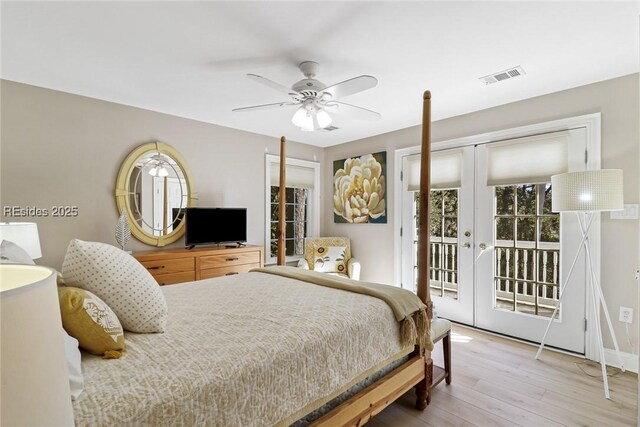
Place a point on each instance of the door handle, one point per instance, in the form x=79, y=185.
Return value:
x=483, y=246
x=466, y=245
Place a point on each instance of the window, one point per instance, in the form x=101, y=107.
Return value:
x=527, y=249
x=296, y=220
x=302, y=206
x=443, y=266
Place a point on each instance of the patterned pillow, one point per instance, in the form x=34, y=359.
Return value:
x=329, y=259
x=89, y=320
x=120, y=281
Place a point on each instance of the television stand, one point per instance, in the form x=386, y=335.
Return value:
x=237, y=245
x=179, y=265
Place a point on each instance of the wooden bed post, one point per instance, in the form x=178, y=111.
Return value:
x=418, y=370
x=281, y=206
x=424, y=294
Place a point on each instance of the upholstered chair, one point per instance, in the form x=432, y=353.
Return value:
x=330, y=255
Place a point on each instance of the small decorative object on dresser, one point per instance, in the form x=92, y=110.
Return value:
x=123, y=232
x=185, y=265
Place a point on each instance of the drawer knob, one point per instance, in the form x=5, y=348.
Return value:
x=232, y=259
x=231, y=274
x=158, y=267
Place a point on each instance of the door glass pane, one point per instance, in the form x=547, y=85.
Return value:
x=527, y=249
x=297, y=220
x=443, y=267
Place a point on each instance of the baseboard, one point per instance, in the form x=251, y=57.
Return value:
x=630, y=360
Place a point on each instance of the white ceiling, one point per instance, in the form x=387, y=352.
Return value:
x=190, y=59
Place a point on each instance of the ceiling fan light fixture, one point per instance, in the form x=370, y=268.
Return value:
x=158, y=168
x=309, y=118
x=324, y=119
x=300, y=118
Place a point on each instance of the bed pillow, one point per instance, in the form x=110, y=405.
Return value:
x=89, y=320
x=13, y=254
x=329, y=259
x=74, y=365
x=120, y=281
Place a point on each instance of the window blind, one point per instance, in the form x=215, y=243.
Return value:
x=296, y=176
x=446, y=170
x=529, y=160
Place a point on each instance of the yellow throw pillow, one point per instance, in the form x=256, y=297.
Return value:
x=89, y=320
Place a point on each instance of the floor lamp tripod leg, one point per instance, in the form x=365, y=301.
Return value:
x=562, y=291
x=603, y=366
x=599, y=294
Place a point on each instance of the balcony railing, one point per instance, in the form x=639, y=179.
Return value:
x=526, y=278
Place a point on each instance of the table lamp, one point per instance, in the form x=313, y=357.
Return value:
x=34, y=376
x=23, y=234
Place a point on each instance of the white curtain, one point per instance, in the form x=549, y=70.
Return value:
x=446, y=170
x=296, y=176
x=528, y=160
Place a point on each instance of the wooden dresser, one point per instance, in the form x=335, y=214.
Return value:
x=170, y=266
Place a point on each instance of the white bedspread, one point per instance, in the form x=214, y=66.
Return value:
x=247, y=350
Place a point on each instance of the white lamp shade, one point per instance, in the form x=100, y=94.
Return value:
x=596, y=190
x=23, y=234
x=35, y=380
x=162, y=171
x=324, y=119
x=302, y=118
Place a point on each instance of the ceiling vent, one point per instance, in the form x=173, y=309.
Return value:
x=503, y=75
x=329, y=128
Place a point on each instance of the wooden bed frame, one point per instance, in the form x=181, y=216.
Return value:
x=418, y=371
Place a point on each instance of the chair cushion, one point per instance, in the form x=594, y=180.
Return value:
x=311, y=243
x=330, y=259
x=439, y=327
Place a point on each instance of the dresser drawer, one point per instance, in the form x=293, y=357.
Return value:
x=225, y=260
x=172, y=278
x=165, y=266
x=227, y=271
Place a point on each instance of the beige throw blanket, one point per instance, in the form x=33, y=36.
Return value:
x=407, y=307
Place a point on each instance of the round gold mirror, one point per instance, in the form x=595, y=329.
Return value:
x=154, y=188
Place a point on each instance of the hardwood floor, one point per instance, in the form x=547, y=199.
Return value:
x=497, y=382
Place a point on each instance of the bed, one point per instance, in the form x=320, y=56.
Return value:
x=261, y=350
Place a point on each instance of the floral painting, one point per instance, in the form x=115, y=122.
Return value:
x=359, y=189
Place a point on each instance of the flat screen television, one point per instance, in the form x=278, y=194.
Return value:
x=208, y=226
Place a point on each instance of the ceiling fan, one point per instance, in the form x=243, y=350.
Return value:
x=315, y=99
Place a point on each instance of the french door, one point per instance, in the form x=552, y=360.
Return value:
x=451, y=249
x=499, y=254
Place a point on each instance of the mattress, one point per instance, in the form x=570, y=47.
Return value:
x=247, y=350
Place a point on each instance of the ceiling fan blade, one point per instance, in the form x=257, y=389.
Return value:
x=272, y=84
x=351, y=86
x=265, y=106
x=352, y=110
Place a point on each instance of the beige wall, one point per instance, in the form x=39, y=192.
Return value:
x=616, y=100
x=63, y=149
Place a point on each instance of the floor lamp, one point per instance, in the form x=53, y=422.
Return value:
x=588, y=193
